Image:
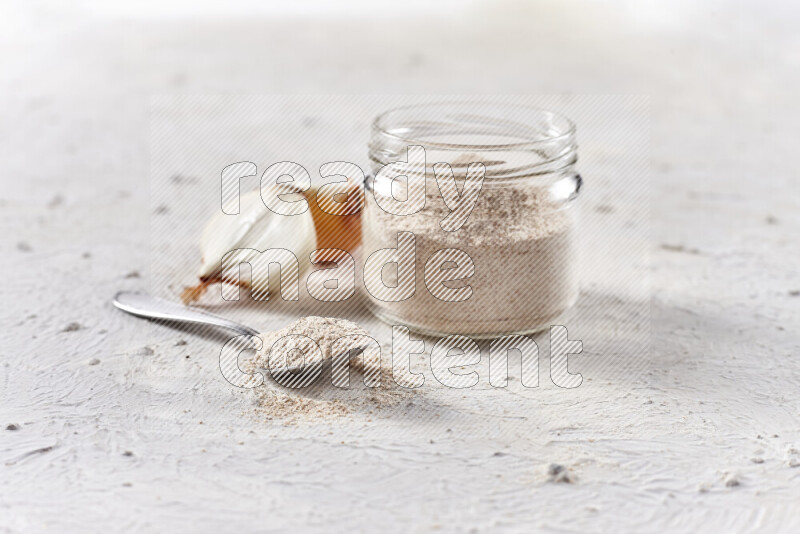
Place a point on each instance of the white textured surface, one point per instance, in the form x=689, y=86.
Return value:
x=722, y=383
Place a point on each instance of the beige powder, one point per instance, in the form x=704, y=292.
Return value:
x=320, y=399
x=521, y=242
x=323, y=331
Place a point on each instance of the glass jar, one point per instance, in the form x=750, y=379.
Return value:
x=519, y=236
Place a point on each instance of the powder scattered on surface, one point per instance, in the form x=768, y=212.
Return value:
x=321, y=399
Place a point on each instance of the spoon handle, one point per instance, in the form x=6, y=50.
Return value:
x=143, y=305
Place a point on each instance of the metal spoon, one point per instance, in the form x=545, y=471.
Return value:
x=144, y=305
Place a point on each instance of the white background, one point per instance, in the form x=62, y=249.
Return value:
x=719, y=400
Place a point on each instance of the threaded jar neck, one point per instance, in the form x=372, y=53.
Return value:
x=512, y=141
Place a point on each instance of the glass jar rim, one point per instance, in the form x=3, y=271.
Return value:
x=382, y=126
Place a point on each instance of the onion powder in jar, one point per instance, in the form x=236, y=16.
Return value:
x=507, y=267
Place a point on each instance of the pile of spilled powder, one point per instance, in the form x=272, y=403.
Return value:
x=319, y=399
x=324, y=331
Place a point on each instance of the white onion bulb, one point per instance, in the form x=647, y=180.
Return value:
x=254, y=227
